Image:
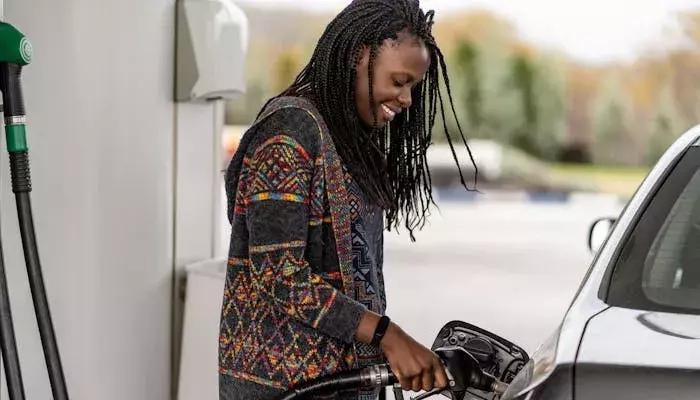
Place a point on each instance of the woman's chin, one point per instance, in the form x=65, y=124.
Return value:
x=370, y=126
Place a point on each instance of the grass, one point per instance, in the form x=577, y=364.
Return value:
x=621, y=181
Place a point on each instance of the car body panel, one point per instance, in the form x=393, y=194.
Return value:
x=626, y=337
x=556, y=387
x=638, y=383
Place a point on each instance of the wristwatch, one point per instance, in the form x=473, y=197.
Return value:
x=380, y=330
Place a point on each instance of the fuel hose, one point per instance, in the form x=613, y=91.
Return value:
x=376, y=376
x=16, y=53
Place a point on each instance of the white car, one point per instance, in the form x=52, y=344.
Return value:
x=633, y=328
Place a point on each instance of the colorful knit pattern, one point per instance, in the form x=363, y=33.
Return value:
x=337, y=199
x=367, y=228
x=276, y=349
x=285, y=280
x=334, y=182
x=318, y=187
x=239, y=206
x=281, y=172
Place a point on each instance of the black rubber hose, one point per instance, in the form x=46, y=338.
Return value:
x=36, y=284
x=341, y=381
x=8, y=343
x=344, y=380
x=14, y=112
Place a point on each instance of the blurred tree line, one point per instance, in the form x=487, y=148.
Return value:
x=543, y=103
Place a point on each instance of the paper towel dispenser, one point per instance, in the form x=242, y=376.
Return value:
x=212, y=45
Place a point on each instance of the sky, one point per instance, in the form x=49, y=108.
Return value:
x=589, y=30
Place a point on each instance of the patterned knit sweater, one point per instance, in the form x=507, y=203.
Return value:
x=294, y=295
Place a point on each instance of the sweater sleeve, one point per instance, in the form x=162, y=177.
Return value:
x=278, y=204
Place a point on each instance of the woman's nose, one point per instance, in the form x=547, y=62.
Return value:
x=405, y=98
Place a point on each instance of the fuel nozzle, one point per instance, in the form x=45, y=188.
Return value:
x=15, y=53
x=464, y=372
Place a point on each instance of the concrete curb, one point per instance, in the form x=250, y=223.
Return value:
x=460, y=195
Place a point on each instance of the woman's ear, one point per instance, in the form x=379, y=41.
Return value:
x=363, y=60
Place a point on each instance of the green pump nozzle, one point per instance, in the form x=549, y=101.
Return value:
x=15, y=48
x=15, y=52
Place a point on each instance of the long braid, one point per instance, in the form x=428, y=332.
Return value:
x=389, y=164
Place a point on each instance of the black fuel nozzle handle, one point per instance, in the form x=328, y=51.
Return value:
x=15, y=126
x=15, y=52
x=464, y=372
x=12, y=97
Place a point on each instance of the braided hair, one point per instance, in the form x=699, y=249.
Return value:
x=389, y=164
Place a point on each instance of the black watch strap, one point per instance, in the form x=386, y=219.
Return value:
x=380, y=330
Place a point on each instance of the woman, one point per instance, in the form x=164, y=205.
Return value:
x=326, y=164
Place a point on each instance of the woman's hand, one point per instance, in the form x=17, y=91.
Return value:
x=416, y=367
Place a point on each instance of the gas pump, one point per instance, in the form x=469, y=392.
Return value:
x=211, y=44
x=16, y=53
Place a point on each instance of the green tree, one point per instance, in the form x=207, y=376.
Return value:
x=611, y=124
x=468, y=63
x=667, y=125
x=612, y=130
x=549, y=95
x=522, y=81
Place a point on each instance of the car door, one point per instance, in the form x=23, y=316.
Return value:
x=646, y=345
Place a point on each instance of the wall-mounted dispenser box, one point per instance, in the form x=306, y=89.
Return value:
x=212, y=44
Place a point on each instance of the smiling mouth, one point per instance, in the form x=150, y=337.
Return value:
x=390, y=114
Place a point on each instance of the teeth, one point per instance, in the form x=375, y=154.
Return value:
x=390, y=113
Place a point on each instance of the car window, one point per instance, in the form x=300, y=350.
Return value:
x=658, y=268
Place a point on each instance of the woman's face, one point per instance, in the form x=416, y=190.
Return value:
x=398, y=67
